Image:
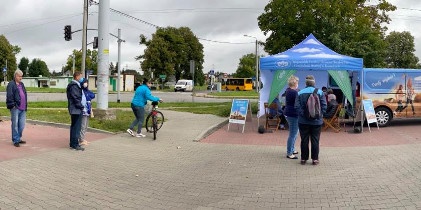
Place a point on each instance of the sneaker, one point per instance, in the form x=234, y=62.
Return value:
x=22, y=142
x=295, y=152
x=139, y=135
x=78, y=148
x=292, y=157
x=130, y=132
x=16, y=144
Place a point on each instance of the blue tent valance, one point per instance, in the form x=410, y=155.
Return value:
x=310, y=54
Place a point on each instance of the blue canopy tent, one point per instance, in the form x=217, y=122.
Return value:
x=308, y=57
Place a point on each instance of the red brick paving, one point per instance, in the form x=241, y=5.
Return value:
x=39, y=138
x=401, y=132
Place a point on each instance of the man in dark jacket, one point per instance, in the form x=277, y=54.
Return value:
x=309, y=128
x=75, y=107
x=16, y=101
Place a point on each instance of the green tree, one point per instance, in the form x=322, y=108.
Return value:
x=112, y=68
x=23, y=64
x=400, y=51
x=349, y=27
x=91, y=62
x=247, y=66
x=7, y=52
x=16, y=49
x=169, y=52
x=38, y=67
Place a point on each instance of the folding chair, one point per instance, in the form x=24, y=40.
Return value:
x=333, y=121
x=273, y=119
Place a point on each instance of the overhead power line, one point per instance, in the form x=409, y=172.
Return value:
x=34, y=26
x=157, y=27
x=134, y=18
x=233, y=9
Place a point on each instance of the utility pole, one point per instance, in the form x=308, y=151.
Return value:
x=119, y=64
x=5, y=74
x=257, y=63
x=73, y=67
x=257, y=68
x=103, y=54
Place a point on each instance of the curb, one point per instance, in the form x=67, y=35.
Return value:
x=210, y=130
x=59, y=125
x=62, y=125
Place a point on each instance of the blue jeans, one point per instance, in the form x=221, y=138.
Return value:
x=293, y=133
x=75, y=126
x=139, y=113
x=18, y=118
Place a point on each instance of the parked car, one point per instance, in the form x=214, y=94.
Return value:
x=169, y=84
x=155, y=86
x=213, y=87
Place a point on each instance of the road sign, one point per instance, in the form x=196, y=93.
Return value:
x=162, y=76
x=4, y=69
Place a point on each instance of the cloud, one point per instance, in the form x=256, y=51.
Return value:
x=312, y=41
x=306, y=50
x=323, y=55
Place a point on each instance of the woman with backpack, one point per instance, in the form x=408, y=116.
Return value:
x=311, y=105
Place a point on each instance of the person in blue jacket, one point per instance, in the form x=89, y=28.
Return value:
x=75, y=107
x=140, y=98
x=309, y=128
x=87, y=97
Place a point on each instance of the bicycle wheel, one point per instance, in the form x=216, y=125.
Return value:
x=154, y=126
x=159, y=121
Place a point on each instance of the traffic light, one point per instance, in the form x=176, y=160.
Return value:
x=95, y=43
x=68, y=32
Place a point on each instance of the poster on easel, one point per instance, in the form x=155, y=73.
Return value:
x=240, y=112
x=370, y=114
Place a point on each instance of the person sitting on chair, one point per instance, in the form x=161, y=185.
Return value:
x=332, y=105
x=277, y=111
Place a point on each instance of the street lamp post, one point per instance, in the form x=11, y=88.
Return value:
x=257, y=63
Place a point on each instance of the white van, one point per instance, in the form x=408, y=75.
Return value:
x=183, y=85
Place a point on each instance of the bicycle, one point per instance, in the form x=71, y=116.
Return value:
x=154, y=120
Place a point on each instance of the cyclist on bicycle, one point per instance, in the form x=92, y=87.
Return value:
x=140, y=98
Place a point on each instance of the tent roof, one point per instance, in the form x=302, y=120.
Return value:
x=310, y=54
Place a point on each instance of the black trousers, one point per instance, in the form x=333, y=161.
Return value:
x=310, y=132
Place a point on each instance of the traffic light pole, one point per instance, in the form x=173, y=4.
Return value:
x=84, y=34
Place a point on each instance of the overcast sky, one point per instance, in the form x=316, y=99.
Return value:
x=37, y=27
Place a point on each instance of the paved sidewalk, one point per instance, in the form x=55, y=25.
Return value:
x=175, y=172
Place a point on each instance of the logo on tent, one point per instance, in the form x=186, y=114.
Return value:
x=281, y=75
x=282, y=63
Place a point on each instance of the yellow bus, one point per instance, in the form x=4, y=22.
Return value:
x=237, y=84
